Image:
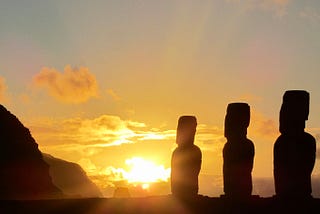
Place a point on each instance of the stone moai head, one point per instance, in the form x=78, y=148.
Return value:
x=294, y=111
x=186, y=130
x=237, y=120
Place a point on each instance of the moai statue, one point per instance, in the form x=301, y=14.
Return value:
x=186, y=160
x=294, y=151
x=238, y=152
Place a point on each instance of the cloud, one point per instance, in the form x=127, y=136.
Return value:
x=278, y=7
x=102, y=176
x=109, y=134
x=262, y=126
x=210, y=137
x=93, y=134
x=130, y=174
x=71, y=86
x=3, y=90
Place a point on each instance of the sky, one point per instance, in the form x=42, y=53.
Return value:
x=103, y=83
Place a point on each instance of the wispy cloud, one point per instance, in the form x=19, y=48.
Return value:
x=73, y=85
x=88, y=137
x=3, y=90
x=91, y=136
x=263, y=126
x=210, y=137
x=277, y=7
x=102, y=176
x=103, y=131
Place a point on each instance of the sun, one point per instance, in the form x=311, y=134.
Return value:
x=144, y=172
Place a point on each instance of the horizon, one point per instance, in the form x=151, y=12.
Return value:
x=103, y=83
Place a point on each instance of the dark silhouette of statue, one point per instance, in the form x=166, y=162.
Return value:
x=186, y=160
x=294, y=150
x=23, y=172
x=238, y=152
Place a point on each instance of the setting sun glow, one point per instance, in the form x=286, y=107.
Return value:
x=105, y=89
x=145, y=172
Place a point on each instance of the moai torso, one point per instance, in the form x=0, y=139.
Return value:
x=294, y=150
x=186, y=160
x=238, y=152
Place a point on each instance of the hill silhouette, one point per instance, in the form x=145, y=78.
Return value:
x=71, y=178
x=23, y=172
x=26, y=173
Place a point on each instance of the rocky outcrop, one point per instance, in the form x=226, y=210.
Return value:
x=23, y=172
x=71, y=178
